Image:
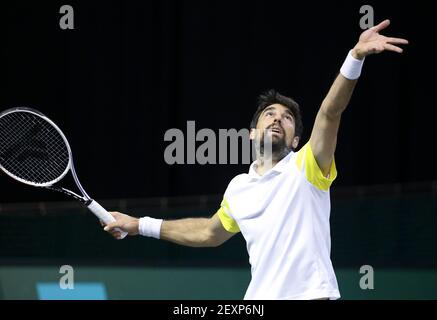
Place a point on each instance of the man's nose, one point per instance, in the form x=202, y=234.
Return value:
x=277, y=119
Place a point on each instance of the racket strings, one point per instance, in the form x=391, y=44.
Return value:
x=31, y=148
x=38, y=149
x=28, y=152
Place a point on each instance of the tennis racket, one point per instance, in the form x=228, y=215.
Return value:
x=34, y=151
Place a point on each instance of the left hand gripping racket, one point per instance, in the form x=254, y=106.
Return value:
x=34, y=151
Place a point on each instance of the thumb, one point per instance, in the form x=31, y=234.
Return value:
x=384, y=24
x=115, y=214
x=112, y=225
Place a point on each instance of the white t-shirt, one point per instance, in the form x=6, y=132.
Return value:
x=284, y=218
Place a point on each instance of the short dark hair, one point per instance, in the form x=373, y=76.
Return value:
x=272, y=97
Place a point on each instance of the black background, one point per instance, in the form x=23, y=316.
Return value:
x=130, y=70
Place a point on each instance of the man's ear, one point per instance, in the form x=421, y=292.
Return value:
x=295, y=142
x=252, y=133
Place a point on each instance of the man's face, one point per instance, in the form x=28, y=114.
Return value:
x=277, y=123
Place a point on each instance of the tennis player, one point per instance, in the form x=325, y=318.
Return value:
x=282, y=206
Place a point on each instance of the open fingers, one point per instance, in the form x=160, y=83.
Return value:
x=391, y=47
x=397, y=41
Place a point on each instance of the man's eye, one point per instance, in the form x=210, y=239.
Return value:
x=269, y=113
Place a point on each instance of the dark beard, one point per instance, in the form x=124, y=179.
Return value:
x=279, y=148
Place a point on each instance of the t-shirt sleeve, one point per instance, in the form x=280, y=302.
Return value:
x=307, y=163
x=224, y=214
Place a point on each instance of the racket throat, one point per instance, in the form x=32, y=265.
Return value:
x=72, y=194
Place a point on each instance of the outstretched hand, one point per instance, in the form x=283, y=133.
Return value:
x=371, y=42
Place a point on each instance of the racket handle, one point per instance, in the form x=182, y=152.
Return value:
x=104, y=215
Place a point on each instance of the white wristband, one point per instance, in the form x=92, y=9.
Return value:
x=351, y=68
x=150, y=227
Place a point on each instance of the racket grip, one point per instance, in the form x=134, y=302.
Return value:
x=104, y=215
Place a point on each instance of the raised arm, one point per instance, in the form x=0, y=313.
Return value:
x=324, y=134
x=192, y=232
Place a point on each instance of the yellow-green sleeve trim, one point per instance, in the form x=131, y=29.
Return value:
x=228, y=223
x=312, y=170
